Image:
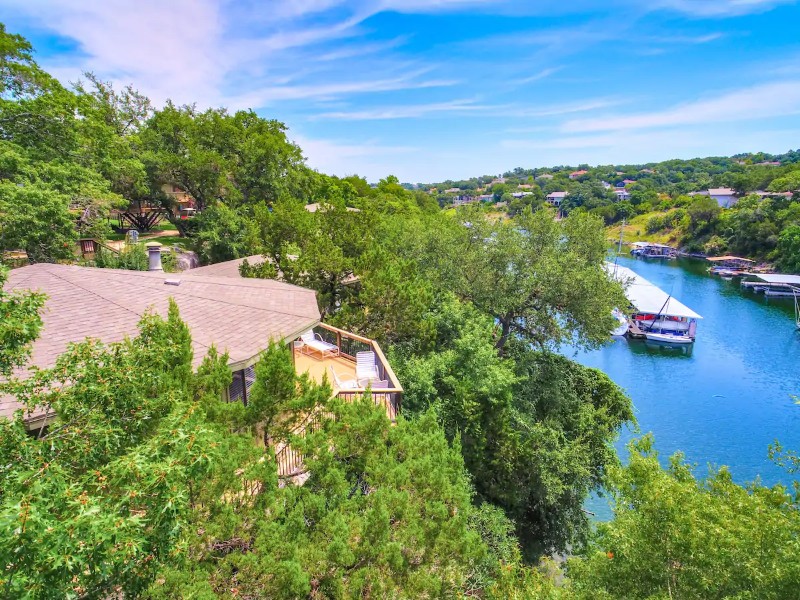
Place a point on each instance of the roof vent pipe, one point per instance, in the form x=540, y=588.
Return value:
x=154, y=255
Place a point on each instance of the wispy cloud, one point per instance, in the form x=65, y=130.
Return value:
x=719, y=8
x=409, y=111
x=757, y=102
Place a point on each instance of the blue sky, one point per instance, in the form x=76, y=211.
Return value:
x=447, y=89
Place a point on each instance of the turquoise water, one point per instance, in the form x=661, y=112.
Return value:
x=724, y=400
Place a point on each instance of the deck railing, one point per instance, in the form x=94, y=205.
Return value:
x=290, y=461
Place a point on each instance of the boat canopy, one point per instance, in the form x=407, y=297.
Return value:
x=650, y=245
x=778, y=278
x=646, y=297
x=729, y=259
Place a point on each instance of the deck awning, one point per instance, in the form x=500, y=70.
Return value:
x=648, y=298
x=778, y=278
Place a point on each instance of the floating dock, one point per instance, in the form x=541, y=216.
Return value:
x=774, y=285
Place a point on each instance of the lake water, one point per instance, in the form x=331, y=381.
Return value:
x=725, y=399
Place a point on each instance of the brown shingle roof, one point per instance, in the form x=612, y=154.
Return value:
x=229, y=268
x=238, y=315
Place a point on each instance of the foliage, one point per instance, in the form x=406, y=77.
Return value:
x=535, y=429
x=19, y=325
x=538, y=278
x=679, y=537
x=99, y=497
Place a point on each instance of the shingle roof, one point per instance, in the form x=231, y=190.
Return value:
x=229, y=268
x=235, y=314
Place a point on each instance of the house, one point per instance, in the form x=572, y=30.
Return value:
x=319, y=207
x=498, y=180
x=725, y=197
x=555, y=198
x=647, y=171
x=544, y=176
x=577, y=174
x=453, y=191
x=622, y=194
x=462, y=200
x=628, y=182
x=606, y=185
x=521, y=194
x=524, y=186
x=769, y=163
x=237, y=315
x=177, y=194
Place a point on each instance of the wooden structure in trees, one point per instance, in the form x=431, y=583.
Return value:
x=141, y=215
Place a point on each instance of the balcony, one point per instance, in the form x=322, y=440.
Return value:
x=386, y=390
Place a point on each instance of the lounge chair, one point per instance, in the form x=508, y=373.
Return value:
x=313, y=342
x=342, y=384
x=366, y=368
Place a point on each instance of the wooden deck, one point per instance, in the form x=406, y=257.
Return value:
x=290, y=461
x=317, y=368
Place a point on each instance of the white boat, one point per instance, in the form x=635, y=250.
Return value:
x=622, y=327
x=669, y=338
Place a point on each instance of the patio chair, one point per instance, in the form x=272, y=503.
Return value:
x=366, y=368
x=342, y=384
x=313, y=342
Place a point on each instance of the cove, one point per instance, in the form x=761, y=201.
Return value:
x=727, y=397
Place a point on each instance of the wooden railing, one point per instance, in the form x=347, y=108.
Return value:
x=350, y=344
x=290, y=461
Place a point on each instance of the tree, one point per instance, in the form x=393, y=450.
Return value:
x=535, y=429
x=676, y=536
x=386, y=511
x=538, y=278
x=19, y=326
x=37, y=221
x=98, y=499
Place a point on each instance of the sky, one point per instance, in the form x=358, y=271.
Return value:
x=430, y=90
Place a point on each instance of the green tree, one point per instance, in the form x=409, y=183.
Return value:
x=676, y=536
x=538, y=278
x=97, y=500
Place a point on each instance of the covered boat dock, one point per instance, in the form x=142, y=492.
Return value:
x=654, y=309
x=774, y=284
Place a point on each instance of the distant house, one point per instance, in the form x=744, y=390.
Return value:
x=485, y=197
x=620, y=184
x=647, y=171
x=628, y=181
x=321, y=207
x=462, y=200
x=725, y=197
x=524, y=186
x=453, y=191
x=555, y=198
x=498, y=180
x=544, y=176
x=521, y=194
x=769, y=163
x=622, y=194
x=577, y=174
x=606, y=185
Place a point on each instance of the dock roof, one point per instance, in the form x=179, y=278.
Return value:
x=648, y=298
x=778, y=278
x=726, y=258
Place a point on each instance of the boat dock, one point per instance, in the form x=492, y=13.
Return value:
x=774, y=285
x=657, y=315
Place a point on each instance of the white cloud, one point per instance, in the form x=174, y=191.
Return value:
x=719, y=8
x=408, y=111
x=758, y=102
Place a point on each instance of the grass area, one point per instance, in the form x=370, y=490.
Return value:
x=636, y=231
x=169, y=240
